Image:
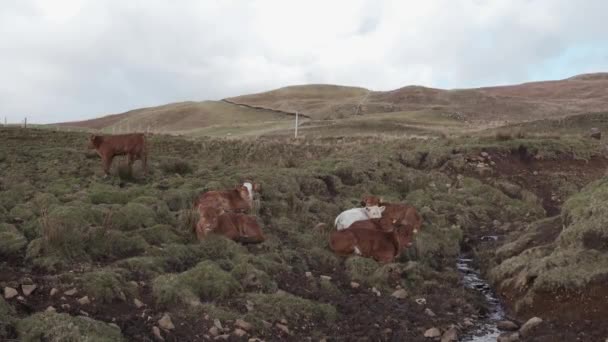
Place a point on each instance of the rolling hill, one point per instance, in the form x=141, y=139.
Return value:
x=359, y=108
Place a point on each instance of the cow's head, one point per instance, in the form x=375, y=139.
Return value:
x=245, y=192
x=370, y=201
x=94, y=141
x=374, y=211
x=209, y=218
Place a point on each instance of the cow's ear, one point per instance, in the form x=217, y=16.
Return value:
x=256, y=187
x=382, y=208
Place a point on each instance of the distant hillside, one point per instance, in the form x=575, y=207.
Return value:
x=270, y=111
x=537, y=100
x=181, y=117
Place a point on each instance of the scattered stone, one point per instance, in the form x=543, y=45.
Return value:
x=266, y=324
x=21, y=299
x=240, y=332
x=527, y=328
x=156, y=332
x=254, y=339
x=468, y=322
x=387, y=331
x=134, y=283
x=65, y=306
x=243, y=325
x=214, y=331
x=324, y=277
x=10, y=292
x=283, y=321
x=496, y=223
x=249, y=305
x=451, y=335
x=432, y=333
x=84, y=313
x=420, y=301
x=507, y=326
x=224, y=337
x=50, y=309
x=595, y=133
x=166, y=323
x=376, y=292
x=508, y=337
x=400, y=294
x=138, y=303
x=283, y=328
x=70, y=292
x=354, y=285
x=429, y=312
x=54, y=291
x=485, y=154
x=535, y=173
x=218, y=324
x=308, y=274
x=114, y=325
x=84, y=300
x=28, y=289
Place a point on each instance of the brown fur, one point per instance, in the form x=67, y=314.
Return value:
x=380, y=245
x=236, y=199
x=403, y=214
x=235, y=226
x=108, y=146
x=370, y=201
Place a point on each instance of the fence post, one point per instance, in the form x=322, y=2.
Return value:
x=25, y=122
x=296, y=131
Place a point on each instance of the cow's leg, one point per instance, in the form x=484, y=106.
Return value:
x=107, y=162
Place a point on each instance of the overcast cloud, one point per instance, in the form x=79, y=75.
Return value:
x=66, y=60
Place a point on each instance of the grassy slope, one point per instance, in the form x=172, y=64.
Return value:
x=116, y=231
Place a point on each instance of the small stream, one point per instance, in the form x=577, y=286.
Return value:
x=485, y=330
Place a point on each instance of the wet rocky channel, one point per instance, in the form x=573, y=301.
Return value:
x=486, y=329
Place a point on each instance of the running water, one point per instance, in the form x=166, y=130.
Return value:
x=486, y=330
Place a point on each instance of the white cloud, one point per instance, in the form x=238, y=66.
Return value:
x=69, y=59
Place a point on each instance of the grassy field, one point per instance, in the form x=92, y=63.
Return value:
x=125, y=243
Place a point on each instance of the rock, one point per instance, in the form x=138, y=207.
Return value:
x=595, y=133
x=224, y=337
x=114, y=325
x=249, y=305
x=83, y=313
x=376, y=292
x=28, y=289
x=240, y=332
x=468, y=322
x=484, y=154
x=243, y=325
x=266, y=324
x=54, y=291
x=283, y=321
x=308, y=274
x=134, y=283
x=166, y=323
x=65, y=306
x=432, y=333
x=138, y=303
x=84, y=300
x=214, y=331
x=508, y=337
x=70, y=292
x=400, y=294
x=420, y=301
x=50, y=309
x=10, y=292
x=535, y=173
x=529, y=326
x=451, y=335
x=324, y=277
x=156, y=333
x=218, y=324
x=354, y=285
x=21, y=299
x=429, y=312
x=507, y=326
x=283, y=328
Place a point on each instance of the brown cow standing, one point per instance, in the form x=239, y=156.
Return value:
x=108, y=146
x=380, y=245
x=406, y=214
x=235, y=226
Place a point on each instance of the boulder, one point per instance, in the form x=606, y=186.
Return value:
x=451, y=335
x=156, y=333
x=400, y=294
x=432, y=333
x=508, y=337
x=166, y=323
x=10, y=292
x=84, y=300
x=529, y=326
x=243, y=325
x=28, y=289
x=507, y=326
x=429, y=312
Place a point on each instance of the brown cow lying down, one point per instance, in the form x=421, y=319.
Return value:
x=372, y=243
x=108, y=146
x=396, y=211
x=235, y=226
x=239, y=199
x=371, y=201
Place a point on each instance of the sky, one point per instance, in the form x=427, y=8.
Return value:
x=66, y=60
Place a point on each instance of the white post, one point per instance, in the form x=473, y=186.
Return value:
x=25, y=122
x=5, y=124
x=296, y=132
